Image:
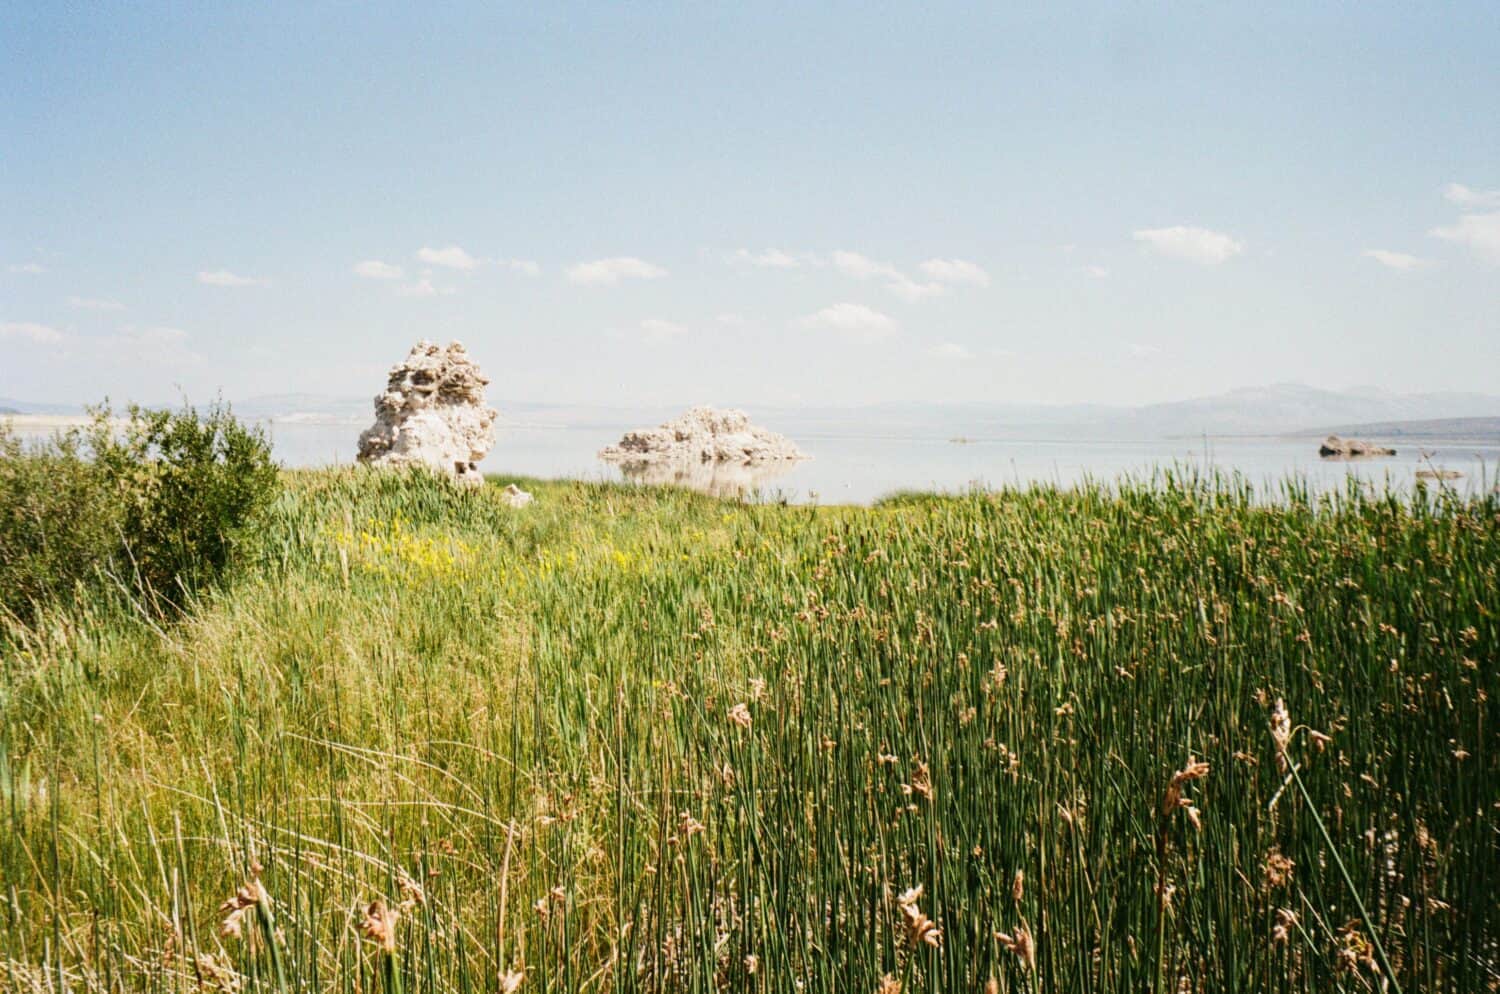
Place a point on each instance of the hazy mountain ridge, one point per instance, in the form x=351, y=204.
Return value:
x=1276, y=409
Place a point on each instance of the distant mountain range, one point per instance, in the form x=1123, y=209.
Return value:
x=1280, y=409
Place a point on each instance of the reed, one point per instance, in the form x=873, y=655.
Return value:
x=1171, y=734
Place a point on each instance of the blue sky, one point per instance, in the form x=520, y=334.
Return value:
x=774, y=204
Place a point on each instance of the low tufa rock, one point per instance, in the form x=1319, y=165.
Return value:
x=514, y=496
x=432, y=414
x=1334, y=447
x=703, y=435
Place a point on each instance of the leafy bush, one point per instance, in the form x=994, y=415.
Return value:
x=58, y=523
x=158, y=501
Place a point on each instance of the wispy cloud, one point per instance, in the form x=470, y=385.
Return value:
x=770, y=259
x=525, y=267
x=450, y=256
x=862, y=267
x=1189, y=244
x=157, y=337
x=41, y=334
x=1463, y=196
x=1139, y=350
x=1097, y=272
x=27, y=268
x=1480, y=232
x=854, y=321
x=609, y=272
x=1396, y=260
x=955, y=271
x=374, y=269
x=424, y=288
x=656, y=331
x=950, y=350
x=223, y=277
x=93, y=304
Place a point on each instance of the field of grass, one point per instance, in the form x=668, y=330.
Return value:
x=1162, y=737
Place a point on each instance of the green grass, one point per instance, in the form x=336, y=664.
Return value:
x=644, y=740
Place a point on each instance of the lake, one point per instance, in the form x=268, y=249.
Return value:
x=859, y=463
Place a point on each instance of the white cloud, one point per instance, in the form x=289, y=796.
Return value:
x=1140, y=351
x=1480, y=232
x=41, y=334
x=374, y=269
x=1197, y=245
x=424, y=288
x=769, y=259
x=955, y=271
x=1396, y=260
x=854, y=321
x=150, y=338
x=609, y=272
x=1457, y=193
x=1097, y=272
x=951, y=350
x=223, y=277
x=912, y=291
x=733, y=320
x=452, y=257
x=92, y=304
x=656, y=331
x=28, y=268
x=862, y=267
x=523, y=266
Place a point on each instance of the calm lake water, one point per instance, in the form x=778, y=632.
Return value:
x=862, y=463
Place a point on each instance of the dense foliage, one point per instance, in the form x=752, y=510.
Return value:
x=151, y=504
x=1157, y=738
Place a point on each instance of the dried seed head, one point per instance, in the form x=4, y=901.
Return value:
x=888, y=985
x=1284, y=921
x=921, y=781
x=740, y=715
x=1278, y=868
x=920, y=930
x=1020, y=943
x=510, y=981
x=379, y=925
x=251, y=894
x=1281, y=732
x=1018, y=886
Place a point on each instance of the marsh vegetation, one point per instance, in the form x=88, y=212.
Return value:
x=1154, y=737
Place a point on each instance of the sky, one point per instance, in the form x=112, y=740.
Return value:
x=778, y=204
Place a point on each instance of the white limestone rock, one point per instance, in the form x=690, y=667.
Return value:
x=515, y=496
x=703, y=435
x=432, y=413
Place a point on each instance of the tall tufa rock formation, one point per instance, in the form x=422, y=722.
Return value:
x=432, y=413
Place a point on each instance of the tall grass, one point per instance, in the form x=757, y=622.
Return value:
x=1154, y=737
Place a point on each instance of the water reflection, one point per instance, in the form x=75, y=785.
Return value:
x=714, y=478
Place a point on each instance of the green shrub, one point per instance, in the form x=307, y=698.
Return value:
x=58, y=523
x=157, y=501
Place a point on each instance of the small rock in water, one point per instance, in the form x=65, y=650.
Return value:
x=515, y=496
x=704, y=434
x=432, y=413
x=1439, y=474
x=1334, y=447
